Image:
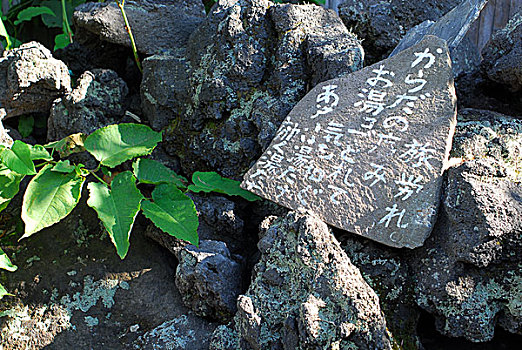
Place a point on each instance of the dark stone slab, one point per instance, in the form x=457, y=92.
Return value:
x=366, y=152
x=451, y=27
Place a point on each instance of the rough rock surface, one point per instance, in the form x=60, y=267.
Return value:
x=468, y=274
x=305, y=294
x=503, y=55
x=157, y=26
x=209, y=280
x=382, y=24
x=30, y=80
x=74, y=292
x=387, y=272
x=218, y=221
x=247, y=64
x=97, y=100
x=453, y=28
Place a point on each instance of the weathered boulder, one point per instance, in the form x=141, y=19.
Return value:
x=30, y=80
x=246, y=66
x=157, y=26
x=218, y=221
x=305, y=294
x=387, y=272
x=503, y=55
x=209, y=280
x=97, y=100
x=382, y=24
x=468, y=275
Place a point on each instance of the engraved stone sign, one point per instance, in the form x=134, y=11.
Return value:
x=366, y=152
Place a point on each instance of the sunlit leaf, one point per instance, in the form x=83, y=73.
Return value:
x=173, y=212
x=117, y=208
x=213, y=182
x=18, y=158
x=149, y=171
x=50, y=196
x=115, y=144
x=5, y=262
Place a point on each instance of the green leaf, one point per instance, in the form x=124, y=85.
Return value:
x=30, y=12
x=213, y=182
x=18, y=158
x=38, y=152
x=149, y=171
x=3, y=292
x=9, y=186
x=5, y=262
x=68, y=145
x=61, y=41
x=56, y=7
x=117, y=208
x=3, y=33
x=115, y=144
x=173, y=212
x=50, y=196
x=64, y=166
x=25, y=125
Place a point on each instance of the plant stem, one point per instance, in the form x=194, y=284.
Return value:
x=93, y=173
x=67, y=27
x=121, y=5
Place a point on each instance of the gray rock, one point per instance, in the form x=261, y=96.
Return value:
x=218, y=221
x=451, y=27
x=387, y=272
x=305, y=294
x=247, y=64
x=157, y=26
x=503, y=55
x=366, y=152
x=96, y=101
x=5, y=139
x=30, y=80
x=382, y=24
x=181, y=333
x=209, y=280
x=468, y=275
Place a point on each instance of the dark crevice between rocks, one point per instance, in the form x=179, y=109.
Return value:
x=431, y=339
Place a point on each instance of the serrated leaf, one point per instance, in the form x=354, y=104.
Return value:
x=50, y=196
x=68, y=145
x=18, y=158
x=38, y=152
x=9, y=186
x=115, y=144
x=5, y=262
x=117, y=208
x=173, y=212
x=25, y=125
x=64, y=166
x=4, y=292
x=149, y=171
x=213, y=182
x=30, y=12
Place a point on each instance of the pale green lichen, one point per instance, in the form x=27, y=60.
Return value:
x=169, y=336
x=91, y=321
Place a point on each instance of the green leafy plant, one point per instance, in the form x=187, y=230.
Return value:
x=56, y=187
x=53, y=14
